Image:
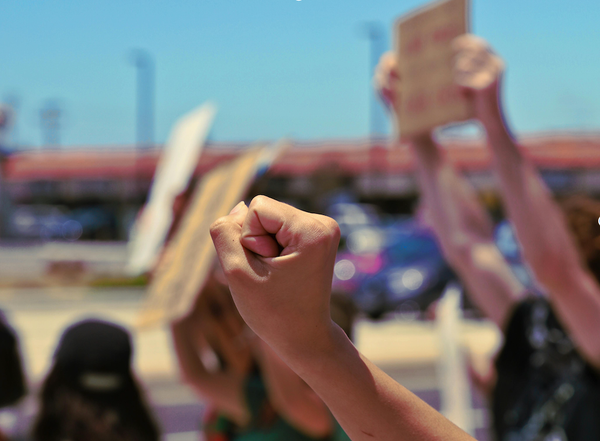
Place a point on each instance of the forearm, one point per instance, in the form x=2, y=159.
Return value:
x=465, y=233
x=456, y=214
x=291, y=396
x=223, y=390
x=547, y=245
x=367, y=403
x=538, y=221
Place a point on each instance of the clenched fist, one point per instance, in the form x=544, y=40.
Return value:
x=278, y=262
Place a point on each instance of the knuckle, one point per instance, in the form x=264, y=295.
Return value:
x=333, y=229
x=329, y=230
x=234, y=267
x=217, y=226
x=259, y=201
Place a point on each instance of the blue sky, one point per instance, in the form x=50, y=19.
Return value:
x=274, y=67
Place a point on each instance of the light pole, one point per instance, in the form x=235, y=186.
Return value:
x=50, y=119
x=374, y=32
x=144, y=97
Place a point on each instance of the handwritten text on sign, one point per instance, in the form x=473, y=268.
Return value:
x=429, y=97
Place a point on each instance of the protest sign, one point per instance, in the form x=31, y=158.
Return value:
x=173, y=172
x=429, y=96
x=188, y=258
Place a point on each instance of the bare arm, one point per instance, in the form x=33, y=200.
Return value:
x=465, y=233
x=279, y=264
x=387, y=410
x=462, y=226
x=539, y=222
x=224, y=390
x=290, y=395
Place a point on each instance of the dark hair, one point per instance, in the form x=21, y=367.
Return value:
x=343, y=312
x=582, y=214
x=12, y=380
x=91, y=394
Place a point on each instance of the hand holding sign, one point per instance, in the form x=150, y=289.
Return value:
x=475, y=64
x=475, y=68
x=478, y=70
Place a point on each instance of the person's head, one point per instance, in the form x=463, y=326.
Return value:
x=583, y=215
x=90, y=393
x=343, y=312
x=12, y=379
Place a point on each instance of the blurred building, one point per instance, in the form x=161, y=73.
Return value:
x=107, y=185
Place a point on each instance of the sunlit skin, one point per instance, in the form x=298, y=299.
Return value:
x=539, y=222
x=464, y=228
x=279, y=262
x=462, y=225
x=215, y=326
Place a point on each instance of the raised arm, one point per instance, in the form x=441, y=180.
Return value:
x=222, y=389
x=462, y=226
x=291, y=397
x=539, y=222
x=279, y=264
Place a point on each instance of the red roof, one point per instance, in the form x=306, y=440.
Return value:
x=555, y=151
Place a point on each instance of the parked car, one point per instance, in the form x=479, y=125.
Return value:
x=413, y=274
x=45, y=222
x=394, y=267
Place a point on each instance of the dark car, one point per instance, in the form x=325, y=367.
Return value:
x=389, y=268
x=412, y=276
x=45, y=222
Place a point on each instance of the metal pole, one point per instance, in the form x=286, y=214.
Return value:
x=50, y=116
x=375, y=33
x=144, y=98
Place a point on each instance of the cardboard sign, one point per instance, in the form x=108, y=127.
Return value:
x=189, y=257
x=429, y=97
x=173, y=172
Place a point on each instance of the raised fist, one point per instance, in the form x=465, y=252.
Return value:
x=278, y=262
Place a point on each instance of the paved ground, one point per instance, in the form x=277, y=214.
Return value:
x=21, y=262
x=408, y=351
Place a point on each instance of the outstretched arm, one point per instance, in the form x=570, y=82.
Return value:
x=539, y=222
x=462, y=226
x=279, y=264
x=291, y=397
x=465, y=233
x=224, y=390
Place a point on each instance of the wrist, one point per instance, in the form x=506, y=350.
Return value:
x=314, y=358
x=488, y=109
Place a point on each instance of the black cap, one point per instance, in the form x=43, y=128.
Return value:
x=94, y=346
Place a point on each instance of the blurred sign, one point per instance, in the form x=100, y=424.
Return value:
x=189, y=257
x=173, y=173
x=423, y=43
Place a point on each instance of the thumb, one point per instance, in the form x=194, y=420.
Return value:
x=225, y=233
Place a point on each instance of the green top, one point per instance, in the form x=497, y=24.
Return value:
x=265, y=424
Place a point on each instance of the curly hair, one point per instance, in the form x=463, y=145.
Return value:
x=583, y=216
